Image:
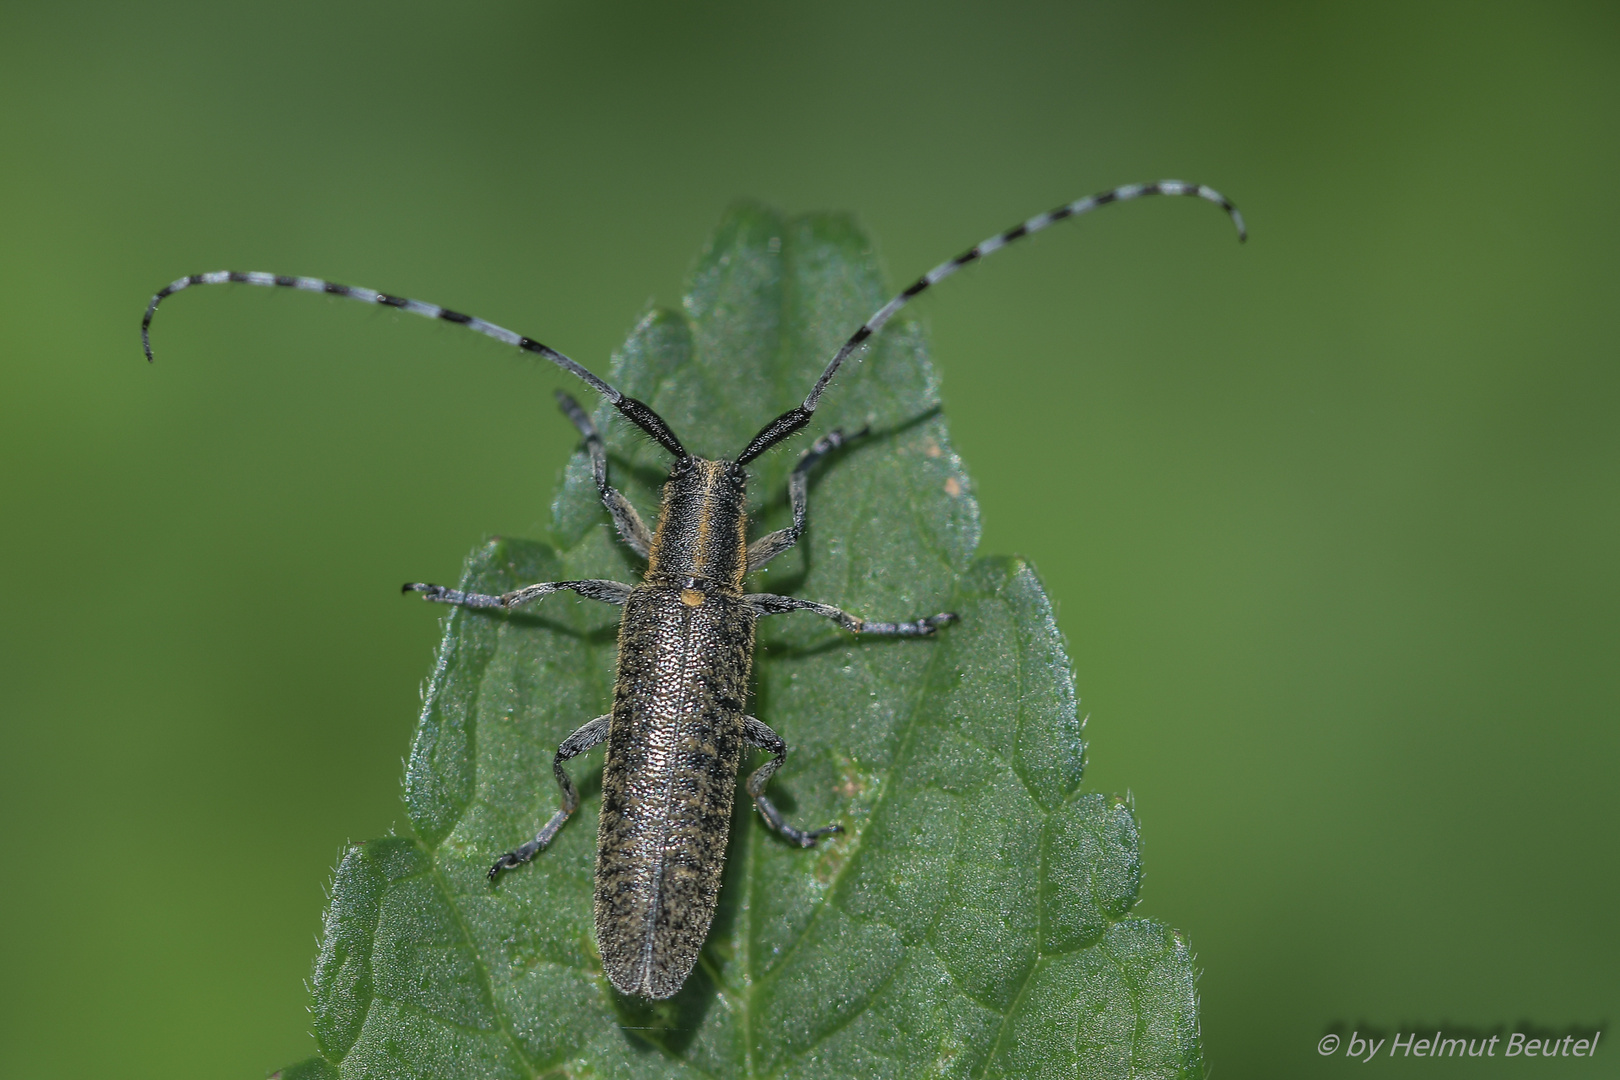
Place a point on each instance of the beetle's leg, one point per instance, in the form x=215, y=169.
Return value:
x=771, y=545
x=609, y=592
x=631, y=528
x=771, y=604
x=583, y=738
x=757, y=734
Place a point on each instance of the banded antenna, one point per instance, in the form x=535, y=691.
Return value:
x=637, y=412
x=798, y=416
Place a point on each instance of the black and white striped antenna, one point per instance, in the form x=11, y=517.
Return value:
x=795, y=418
x=639, y=413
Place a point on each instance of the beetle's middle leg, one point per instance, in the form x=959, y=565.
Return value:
x=771, y=604
x=584, y=737
x=757, y=734
x=609, y=592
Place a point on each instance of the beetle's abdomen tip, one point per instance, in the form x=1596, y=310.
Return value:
x=647, y=985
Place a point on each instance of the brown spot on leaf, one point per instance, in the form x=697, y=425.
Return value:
x=851, y=782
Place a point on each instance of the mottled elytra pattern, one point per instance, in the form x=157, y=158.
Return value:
x=662, y=850
x=974, y=920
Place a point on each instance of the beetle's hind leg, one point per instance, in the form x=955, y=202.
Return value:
x=771, y=604
x=625, y=519
x=757, y=734
x=583, y=738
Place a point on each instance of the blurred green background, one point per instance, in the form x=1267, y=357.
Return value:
x=1331, y=520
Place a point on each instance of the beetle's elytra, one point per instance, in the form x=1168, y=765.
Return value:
x=678, y=723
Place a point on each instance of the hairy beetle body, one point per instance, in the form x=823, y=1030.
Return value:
x=674, y=746
x=686, y=644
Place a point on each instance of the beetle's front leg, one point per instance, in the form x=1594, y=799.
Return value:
x=771, y=604
x=583, y=738
x=609, y=592
x=757, y=734
x=625, y=519
x=771, y=545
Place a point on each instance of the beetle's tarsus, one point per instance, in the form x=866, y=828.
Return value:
x=513, y=859
x=797, y=836
x=771, y=604
x=808, y=840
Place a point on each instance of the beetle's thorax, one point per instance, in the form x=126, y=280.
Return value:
x=701, y=541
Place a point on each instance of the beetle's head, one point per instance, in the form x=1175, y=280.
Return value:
x=706, y=481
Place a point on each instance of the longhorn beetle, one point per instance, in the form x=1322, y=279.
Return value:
x=686, y=641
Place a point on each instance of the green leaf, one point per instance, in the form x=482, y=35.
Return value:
x=972, y=920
